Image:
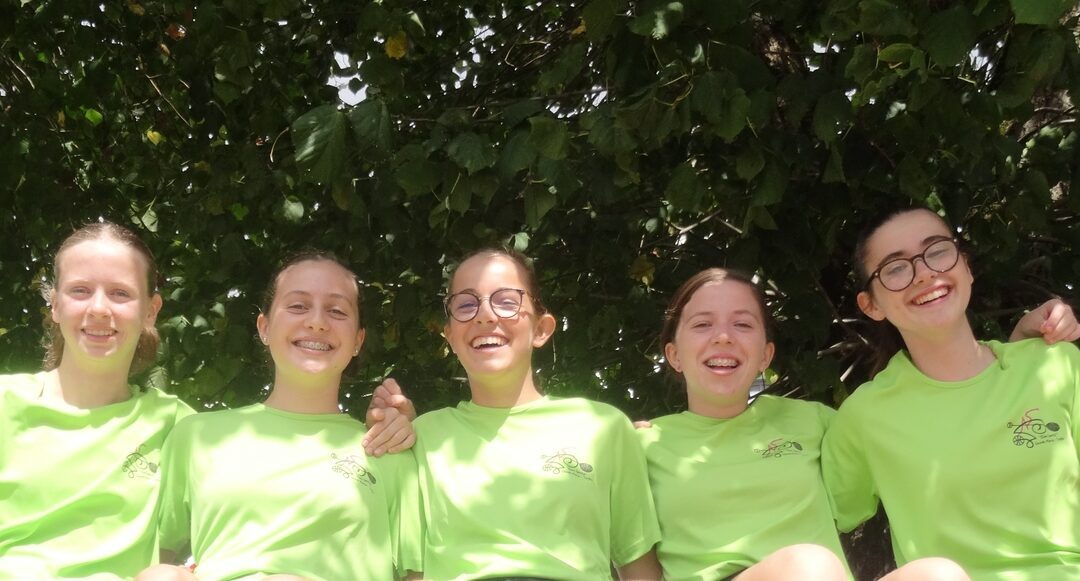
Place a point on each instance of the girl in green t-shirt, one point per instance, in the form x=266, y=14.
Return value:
x=516, y=484
x=80, y=446
x=283, y=488
x=971, y=446
x=737, y=485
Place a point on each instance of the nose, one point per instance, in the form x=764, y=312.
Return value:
x=99, y=303
x=316, y=320
x=921, y=271
x=721, y=335
x=484, y=311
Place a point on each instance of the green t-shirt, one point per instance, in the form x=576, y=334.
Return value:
x=78, y=487
x=256, y=490
x=729, y=492
x=555, y=488
x=983, y=471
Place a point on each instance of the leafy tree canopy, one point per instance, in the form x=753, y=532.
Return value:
x=622, y=144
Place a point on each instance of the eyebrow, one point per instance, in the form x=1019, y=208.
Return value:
x=307, y=294
x=926, y=242
x=738, y=312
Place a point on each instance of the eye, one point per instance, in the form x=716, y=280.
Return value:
x=700, y=325
x=296, y=307
x=121, y=293
x=744, y=325
x=338, y=313
x=895, y=267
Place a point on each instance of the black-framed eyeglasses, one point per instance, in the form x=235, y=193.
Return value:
x=898, y=273
x=505, y=303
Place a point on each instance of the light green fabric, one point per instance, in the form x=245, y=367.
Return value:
x=78, y=487
x=729, y=492
x=555, y=488
x=259, y=490
x=983, y=471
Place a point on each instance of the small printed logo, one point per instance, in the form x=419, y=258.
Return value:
x=1032, y=431
x=136, y=465
x=350, y=468
x=779, y=448
x=565, y=462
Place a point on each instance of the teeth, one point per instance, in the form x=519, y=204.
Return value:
x=99, y=332
x=316, y=345
x=722, y=362
x=488, y=340
x=931, y=296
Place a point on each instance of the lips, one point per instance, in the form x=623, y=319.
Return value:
x=488, y=342
x=721, y=363
x=931, y=295
x=99, y=332
x=312, y=345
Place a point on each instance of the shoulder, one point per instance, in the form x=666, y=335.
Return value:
x=1033, y=350
x=22, y=384
x=171, y=404
x=435, y=417
x=795, y=410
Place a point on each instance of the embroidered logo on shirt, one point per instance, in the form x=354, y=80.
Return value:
x=779, y=448
x=1032, y=431
x=136, y=465
x=349, y=467
x=565, y=462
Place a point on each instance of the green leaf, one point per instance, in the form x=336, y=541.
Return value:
x=539, y=200
x=94, y=117
x=884, y=18
x=319, y=137
x=517, y=154
x=371, y=123
x=771, y=185
x=565, y=68
x=950, y=35
x=418, y=176
x=460, y=197
x=899, y=52
x=517, y=112
x=718, y=97
x=862, y=64
x=549, y=136
x=685, y=190
x=1040, y=12
x=749, y=163
x=600, y=16
x=472, y=152
x=832, y=116
x=834, y=167
x=292, y=208
x=913, y=179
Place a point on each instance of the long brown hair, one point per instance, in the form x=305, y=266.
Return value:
x=149, y=340
x=884, y=338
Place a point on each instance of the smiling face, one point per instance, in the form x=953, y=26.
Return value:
x=720, y=346
x=313, y=324
x=490, y=346
x=935, y=302
x=101, y=302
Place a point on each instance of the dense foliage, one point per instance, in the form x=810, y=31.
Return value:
x=622, y=144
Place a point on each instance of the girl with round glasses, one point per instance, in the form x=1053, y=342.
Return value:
x=515, y=484
x=971, y=446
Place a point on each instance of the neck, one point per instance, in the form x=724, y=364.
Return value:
x=953, y=356
x=311, y=396
x=504, y=391
x=720, y=410
x=85, y=388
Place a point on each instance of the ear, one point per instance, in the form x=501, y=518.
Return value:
x=671, y=354
x=766, y=359
x=543, y=330
x=262, y=325
x=359, y=341
x=446, y=335
x=52, y=305
x=869, y=307
x=155, y=308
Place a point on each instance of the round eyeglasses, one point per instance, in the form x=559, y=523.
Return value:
x=898, y=273
x=464, y=306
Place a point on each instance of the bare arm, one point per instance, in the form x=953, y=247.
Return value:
x=644, y=568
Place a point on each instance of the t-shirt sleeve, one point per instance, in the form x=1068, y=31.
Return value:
x=850, y=485
x=174, y=502
x=634, y=528
x=406, y=521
